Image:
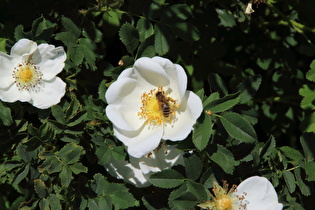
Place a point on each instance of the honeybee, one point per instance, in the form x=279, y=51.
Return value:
x=164, y=102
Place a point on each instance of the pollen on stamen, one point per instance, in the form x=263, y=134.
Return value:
x=155, y=111
x=27, y=76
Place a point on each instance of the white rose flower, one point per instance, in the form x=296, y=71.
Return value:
x=28, y=74
x=254, y=193
x=138, y=170
x=149, y=102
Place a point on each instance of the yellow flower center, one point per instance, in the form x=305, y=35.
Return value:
x=225, y=199
x=224, y=203
x=27, y=76
x=157, y=108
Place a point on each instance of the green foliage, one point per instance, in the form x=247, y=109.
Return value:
x=255, y=74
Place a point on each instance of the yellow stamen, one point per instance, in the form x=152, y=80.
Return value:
x=27, y=76
x=156, y=111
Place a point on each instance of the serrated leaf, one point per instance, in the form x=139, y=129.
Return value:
x=193, y=167
x=162, y=39
x=3, y=42
x=212, y=97
x=202, y=132
x=5, y=115
x=291, y=153
x=167, y=179
x=51, y=163
x=71, y=27
x=58, y=114
x=238, y=128
x=70, y=153
x=78, y=168
x=40, y=188
x=198, y=190
x=182, y=198
x=307, y=91
x=129, y=36
x=310, y=171
x=145, y=29
x=310, y=75
x=65, y=176
x=268, y=148
x=223, y=104
x=249, y=87
x=225, y=159
x=303, y=187
x=289, y=180
x=120, y=196
x=98, y=203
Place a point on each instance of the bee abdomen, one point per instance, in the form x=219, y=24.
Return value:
x=166, y=110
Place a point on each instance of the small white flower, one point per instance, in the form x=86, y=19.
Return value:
x=249, y=8
x=254, y=193
x=149, y=102
x=28, y=74
x=138, y=170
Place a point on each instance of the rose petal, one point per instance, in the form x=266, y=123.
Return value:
x=23, y=48
x=176, y=75
x=148, y=71
x=7, y=66
x=140, y=142
x=186, y=115
x=12, y=94
x=50, y=59
x=260, y=194
x=129, y=172
x=49, y=94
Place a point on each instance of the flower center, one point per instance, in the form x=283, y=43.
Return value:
x=224, y=203
x=157, y=108
x=27, y=76
x=225, y=199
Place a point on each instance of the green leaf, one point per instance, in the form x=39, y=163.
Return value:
x=249, y=87
x=238, y=128
x=308, y=145
x=193, y=167
x=40, y=188
x=120, y=196
x=303, y=187
x=58, y=114
x=310, y=75
x=129, y=36
x=5, y=115
x=54, y=202
x=214, y=96
x=71, y=27
x=162, y=39
x=289, y=180
x=167, y=179
x=186, y=31
x=145, y=29
x=268, y=148
x=51, y=163
x=226, y=18
x=291, y=153
x=223, y=104
x=77, y=119
x=202, y=132
x=217, y=84
x=65, y=176
x=78, y=168
x=3, y=42
x=182, y=198
x=70, y=153
x=225, y=159
x=310, y=171
x=307, y=91
x=21, y=174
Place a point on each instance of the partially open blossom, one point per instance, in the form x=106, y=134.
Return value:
x=138, y=170
x=254, y=193
x=28, y=74
x=149, y=102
